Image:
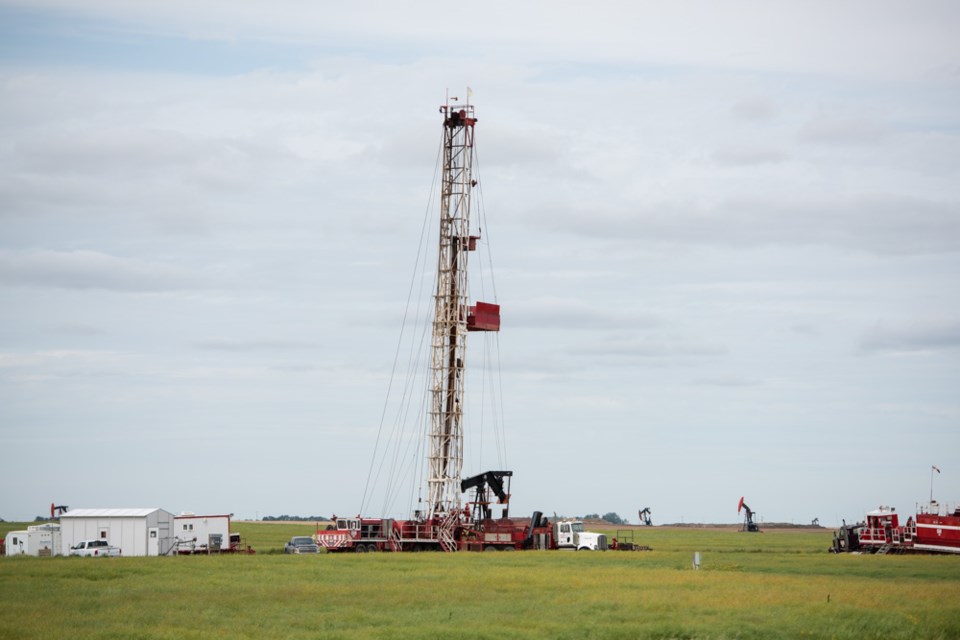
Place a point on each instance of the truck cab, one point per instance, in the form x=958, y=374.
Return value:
x=570, y=534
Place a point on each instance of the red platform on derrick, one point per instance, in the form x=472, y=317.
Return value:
x=483, y=316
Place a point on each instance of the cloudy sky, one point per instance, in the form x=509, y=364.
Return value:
x=725, y=237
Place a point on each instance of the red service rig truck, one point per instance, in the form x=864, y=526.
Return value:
x=472, y=529
x=934, y=529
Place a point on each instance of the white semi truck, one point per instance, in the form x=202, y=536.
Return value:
x=570, y=534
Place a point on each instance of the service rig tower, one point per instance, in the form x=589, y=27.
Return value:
x=453, y=317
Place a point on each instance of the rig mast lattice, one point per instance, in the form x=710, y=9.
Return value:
x=453, y=318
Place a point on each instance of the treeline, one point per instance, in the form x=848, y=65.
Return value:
x=286, y=518
x=611, y=517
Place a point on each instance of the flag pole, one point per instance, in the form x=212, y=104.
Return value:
x=933, y=468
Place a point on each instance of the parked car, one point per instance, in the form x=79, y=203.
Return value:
x=94, y=548
x=301, y=544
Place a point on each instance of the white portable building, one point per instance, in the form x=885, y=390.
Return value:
x=201, y=534
x=138, y=532
x=37, y=540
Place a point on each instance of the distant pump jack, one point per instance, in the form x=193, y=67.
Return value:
x=748, y=524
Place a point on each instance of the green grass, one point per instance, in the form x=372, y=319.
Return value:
x=269, y=537
x=7, y=527
x=771, y=585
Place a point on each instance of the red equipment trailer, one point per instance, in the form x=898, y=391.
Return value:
x=471, y=529
x=934, y=529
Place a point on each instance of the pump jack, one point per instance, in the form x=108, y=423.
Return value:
x=645, y=517
x=748, y=523
x=484, y=483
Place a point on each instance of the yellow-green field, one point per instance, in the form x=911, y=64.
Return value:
x=779, y=584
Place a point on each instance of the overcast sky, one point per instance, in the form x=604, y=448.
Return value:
x=725, y=238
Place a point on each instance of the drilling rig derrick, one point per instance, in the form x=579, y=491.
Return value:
x=453, y=317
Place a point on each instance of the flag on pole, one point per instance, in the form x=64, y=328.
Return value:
x=469, y=93
x=935, y=468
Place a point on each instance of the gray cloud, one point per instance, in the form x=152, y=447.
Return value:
x=151, y=156
x=879, y=223
x=570, y=314
x=843, y=131
x=928, y=338
x=727, y=381
x=748, y=156
x=92, y=270
x=754, y=109
x=794, y=37
x=634, y=350
x=253, y=345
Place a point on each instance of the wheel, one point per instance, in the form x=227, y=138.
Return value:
x=490, y=547
x=509, y=549
x=360, y=548
x=373, y=548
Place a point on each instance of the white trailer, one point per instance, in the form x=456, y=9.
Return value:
x=37, y=540
x=202, y=534
x=138, y=532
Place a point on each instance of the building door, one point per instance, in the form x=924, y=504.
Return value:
x=153, y=541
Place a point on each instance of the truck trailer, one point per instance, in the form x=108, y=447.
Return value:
x=37, y=540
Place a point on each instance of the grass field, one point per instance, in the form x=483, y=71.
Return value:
x=779, y=584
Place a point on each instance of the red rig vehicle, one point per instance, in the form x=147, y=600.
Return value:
x=934, y=529
x=472, y=529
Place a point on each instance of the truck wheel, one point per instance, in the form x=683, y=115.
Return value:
x=490, y=547
x=360, y=548
x=373, y=548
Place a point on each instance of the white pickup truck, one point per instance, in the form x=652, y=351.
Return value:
x=94, y=548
